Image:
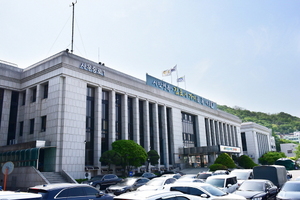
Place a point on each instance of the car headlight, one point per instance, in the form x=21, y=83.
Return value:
x=91, y=183
x=257, y=198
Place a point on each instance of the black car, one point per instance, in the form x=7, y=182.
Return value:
x=203, y=175
x=257, y=189
x=101, y=182
x=290, y=190
x=70, y=191
x=128, y=185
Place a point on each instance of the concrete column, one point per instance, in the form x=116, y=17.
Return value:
x=155, y=128
x=125, y=117
x=112, y=118
x=136, y=120
x=5, y=117
x=165, y=136
x=146, y=126
x=98, y=126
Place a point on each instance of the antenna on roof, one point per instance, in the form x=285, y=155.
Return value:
x=73, y=4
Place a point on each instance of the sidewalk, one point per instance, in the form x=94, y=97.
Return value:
x=194, y=170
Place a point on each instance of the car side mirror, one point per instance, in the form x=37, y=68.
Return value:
x=99, y=194
x=229, y=185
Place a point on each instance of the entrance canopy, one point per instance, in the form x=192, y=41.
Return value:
x=22, y=158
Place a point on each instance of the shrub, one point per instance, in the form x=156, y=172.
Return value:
x=246, y=162
x=225, y=159
x=215, y=167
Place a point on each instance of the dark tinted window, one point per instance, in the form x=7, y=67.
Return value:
x=63, y=194
x=76, y=192
x=90, y=191
x=184, y=190
x=195, y=191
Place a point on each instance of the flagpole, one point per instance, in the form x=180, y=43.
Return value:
x=184, y=83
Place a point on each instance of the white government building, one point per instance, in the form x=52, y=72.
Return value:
x=62, y=113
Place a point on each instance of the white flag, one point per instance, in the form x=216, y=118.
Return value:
x=181, y=79
x=166, y=72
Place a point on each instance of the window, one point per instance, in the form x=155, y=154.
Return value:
x=33, y=94
x=45, y=91
x=31, y=130
x=21, y=128
x=23, y=98
x=43, y=123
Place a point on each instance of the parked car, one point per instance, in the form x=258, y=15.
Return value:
x=128, y=185
x=148, y=175
x=290, y=190
x=177, y=176
x=258, y=189
x=275, y=173
x=202, y=190
x=70, y=191
x=204, y=175
x=101, y=182
x=227, y=183
x=220, y=172
x=156, y=195
x=157, y=183
x=189, y=178
x=9, y=195
x=242, y=174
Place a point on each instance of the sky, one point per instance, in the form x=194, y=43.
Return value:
x=236, y=53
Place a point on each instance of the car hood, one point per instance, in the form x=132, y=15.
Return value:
x=142, y=188
x=230, y=197
x=117, y=187
x=289, y=195
x=249, y=194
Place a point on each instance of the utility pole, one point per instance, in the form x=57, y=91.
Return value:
x=73, y=4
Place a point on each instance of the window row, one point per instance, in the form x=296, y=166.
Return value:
x=32, y=125
x=33, y=93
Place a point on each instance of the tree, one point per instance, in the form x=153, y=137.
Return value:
x=132, y=154
x=153, y=158
x=110, y=157
x=246, y=162
x=270, y=157
x=226, y=160
x=297, y=152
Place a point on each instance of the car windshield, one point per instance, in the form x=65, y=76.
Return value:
x=217, y=182
x=203, y=176
x=213, y=190
x=96, y=178
x=291, y=186
x=252, y=186
x=155, y=182
x=240, y=175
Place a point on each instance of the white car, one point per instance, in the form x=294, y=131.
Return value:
x=227, y=183
x=242, y=174
x=203, y=190
x=157, y=184
x=154, y=195
x=9, y=195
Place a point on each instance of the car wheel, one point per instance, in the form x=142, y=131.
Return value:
x=98, y=186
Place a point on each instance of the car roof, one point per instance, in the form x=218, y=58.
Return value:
x=55, y=186
x=221, y=176
x=257, y=180
x=146, y=194
x=194, y=184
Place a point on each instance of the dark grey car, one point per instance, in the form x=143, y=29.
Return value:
x=290, y=190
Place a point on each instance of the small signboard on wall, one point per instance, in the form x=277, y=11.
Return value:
x=230, y=149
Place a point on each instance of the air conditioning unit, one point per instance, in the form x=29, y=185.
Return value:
x=88, y=175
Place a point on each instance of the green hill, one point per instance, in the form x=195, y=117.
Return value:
x=281, y=123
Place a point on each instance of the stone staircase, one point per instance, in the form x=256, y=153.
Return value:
x=54, y=177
